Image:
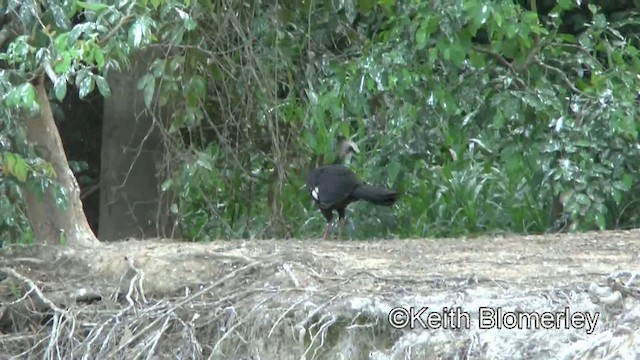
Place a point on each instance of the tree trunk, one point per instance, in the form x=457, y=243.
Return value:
x=131, y=204
x=49, y=222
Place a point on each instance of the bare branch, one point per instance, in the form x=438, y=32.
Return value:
x=33, y=287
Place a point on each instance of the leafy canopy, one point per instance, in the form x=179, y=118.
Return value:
x=489, y=116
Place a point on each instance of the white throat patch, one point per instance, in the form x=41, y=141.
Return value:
x=315, y=193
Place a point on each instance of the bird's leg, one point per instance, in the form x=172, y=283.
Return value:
x=341, y=215
x=340, y=229
x=328, y=214
x=326, y=231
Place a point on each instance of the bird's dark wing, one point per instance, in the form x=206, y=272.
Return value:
x=331, y=185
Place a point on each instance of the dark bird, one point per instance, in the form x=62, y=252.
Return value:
x=334, y=187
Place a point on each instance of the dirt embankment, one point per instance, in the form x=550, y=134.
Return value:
x=311, y=299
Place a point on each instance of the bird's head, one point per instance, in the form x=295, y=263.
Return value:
x=346, y=148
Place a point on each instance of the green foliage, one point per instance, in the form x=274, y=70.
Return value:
x=480, y=113
x=45, y=42
x=14, y=227
x=544, y=138
x=487, y=116
x=33, y=175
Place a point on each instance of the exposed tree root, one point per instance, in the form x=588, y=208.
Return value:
x=288, y=300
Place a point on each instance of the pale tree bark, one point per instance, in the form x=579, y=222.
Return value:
x=131, y=204
x=49, y=222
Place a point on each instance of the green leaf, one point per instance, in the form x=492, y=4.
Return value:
x=428, y=26
x=13, y=98
x=148, y=91
x=36, y=189
x=142, y=83
x=60, y=196
x=365, y=6
x=28, y=97
x=433, y=55
x=140, y=33
x=421, y=37
x=156, y=3
x=99, y=57
x=477, y=59
x=497, y=18
x=458, y=54
x=582, y=199
x=20, y=169
x=60, y=88
x=63, y=64
x=97, y=7
x=159, y=67
x=166, y=185
x=49, y=171
x=600, y=21
x=9, y=163
x=86, y=86
x=136, y=32
x=617, y=196
x=565, y=4
x=198, y=85
x=103, y=86
x=80, y=77
x=393, y=170
x=189, y=24
x=63, y=238
x=627, y=180
x=61, y=42
x=59, y=16
x=480, y=15
x=310, y=140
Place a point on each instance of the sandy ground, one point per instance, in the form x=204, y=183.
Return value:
x=525, y=262
x=538, y=261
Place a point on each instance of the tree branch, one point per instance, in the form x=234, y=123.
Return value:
x=534, y=51
x=32, y=288
x=563, y=76
x=113, y=32
x=50, y=72
x=496, y=56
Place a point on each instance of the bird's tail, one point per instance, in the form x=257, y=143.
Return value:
x=376, y=195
